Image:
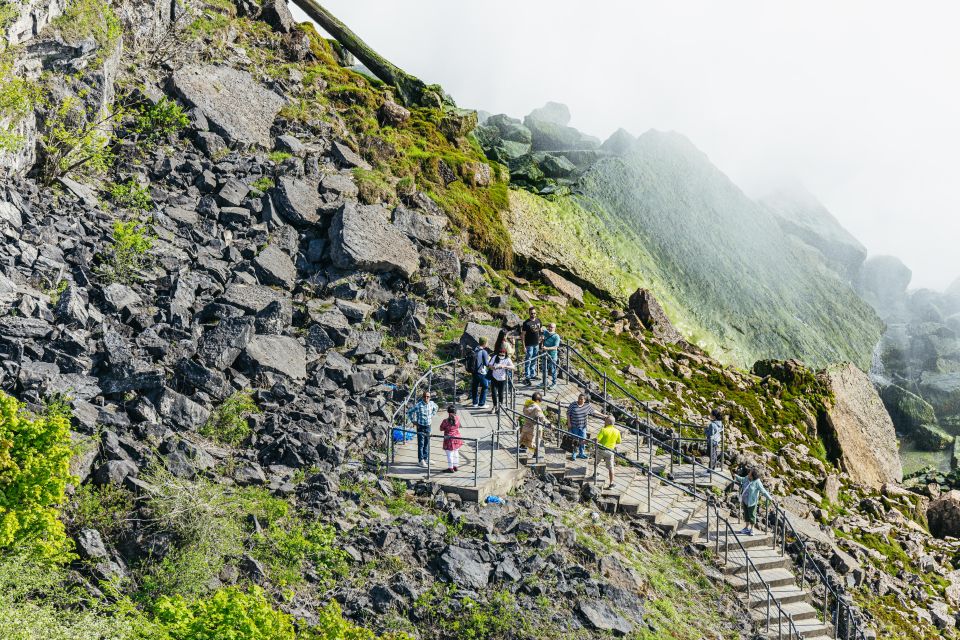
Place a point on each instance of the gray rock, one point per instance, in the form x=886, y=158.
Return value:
x=339, y=185
x=279, y=353
x=369, y=342
x=254, y=298
x=272, y=321
x=564, y=286
x=347, y=158
x=18, y=327
x=277, y=15
x=361, y=238
x=473, y=331
x=600, y=616
x=297, y=200
x=553, y=112
x=416, y=226
x=181, y=411
x=249, y=473
x=465, y=567
x=361, y=381
x=212, y=145
x=654, y=318
x=275, y=267
x=290, y=144
x=220, y=345
x=90, y=545
x=232, y=193
x=72, y=306
x=236, y=106
x=318, y=340
x=114, y=472
x=121, y=297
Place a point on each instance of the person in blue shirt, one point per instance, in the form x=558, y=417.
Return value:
x=480, y=382
x=551, y=346
x=421, y=415
x=751, y=488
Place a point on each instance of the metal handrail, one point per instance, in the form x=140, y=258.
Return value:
x=782, y=526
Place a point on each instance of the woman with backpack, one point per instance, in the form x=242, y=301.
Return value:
x=500, y=368
x=450, y=428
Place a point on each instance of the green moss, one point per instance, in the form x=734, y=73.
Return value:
x=82, y=19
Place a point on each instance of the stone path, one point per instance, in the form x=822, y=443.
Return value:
x=502, y=467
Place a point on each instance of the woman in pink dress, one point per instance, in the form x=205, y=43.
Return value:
x=450, y=428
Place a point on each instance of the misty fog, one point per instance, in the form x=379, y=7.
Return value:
x=857, y=101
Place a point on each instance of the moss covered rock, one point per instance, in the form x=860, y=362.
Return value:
x=930, y=437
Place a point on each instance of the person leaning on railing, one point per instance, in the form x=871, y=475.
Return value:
x=421, y=414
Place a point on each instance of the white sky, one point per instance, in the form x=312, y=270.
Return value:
x=858, y=100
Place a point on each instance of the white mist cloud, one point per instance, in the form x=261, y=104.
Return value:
x=857, y=100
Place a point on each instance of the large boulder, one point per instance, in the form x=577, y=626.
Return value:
x=883, y=283
x=942, y=391
x=861, y=427
x=943, y=515
x=908, y=410
x=563, y=285
x=361, y=237
x=654, y=318
x=930, y=437
x=298, y=200
x=236, y=106
x=474, y=331
x=465, y=567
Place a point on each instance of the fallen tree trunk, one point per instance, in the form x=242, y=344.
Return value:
x=411, y=90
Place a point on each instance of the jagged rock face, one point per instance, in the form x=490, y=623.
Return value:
x=361, y=237
x=943, y=515
x=564, y=286
x=654, y=318
x=883, y=283
x=861, y=428
x=908, y=410
x=801, y=215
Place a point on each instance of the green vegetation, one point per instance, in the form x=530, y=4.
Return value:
x=248, y=613
x=374, y=187
x=104, y=508
x=85, y=18
x=279, y=156
x=131, y=195
x=289, y=544
x=17, y=97
x=34, y=471
x=263, y=184
x=156, y=122
x=75, y=139
x=466, y=618
x=127, y=255
x=228, y=422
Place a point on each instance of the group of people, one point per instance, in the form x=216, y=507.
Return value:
x=494, y=370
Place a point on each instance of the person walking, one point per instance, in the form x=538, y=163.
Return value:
x=533, y=416
x=530, y=332
x=577, y=414
x=714, y=435
x=421, y=414
x=500, y=367
x=450, y=428
x=751, y=488
x=608, y=438
x=551, y=347
x=481, y=363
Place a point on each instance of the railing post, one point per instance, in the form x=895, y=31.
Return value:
x=453, y=382
x=605, y=403
x=673, y=450
x=428, y=451
x=768, y=610
x=649, y=470
x=596, y=457
x=476, y=461
x=803, y=563
x=491, y=455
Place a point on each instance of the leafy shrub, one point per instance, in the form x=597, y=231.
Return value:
x=75, y=139
x=228, y=422
x=104, y=508
x=17, y=97
x=229, y=614
x=131, y=195
x=159, y=121
x=127, y=253
x=34, y=471
x=289, y=543
x=36, y=602
x=279, y=156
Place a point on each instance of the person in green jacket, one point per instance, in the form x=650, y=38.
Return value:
x=751, y=488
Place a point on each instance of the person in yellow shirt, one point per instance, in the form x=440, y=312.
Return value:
x=609, y=438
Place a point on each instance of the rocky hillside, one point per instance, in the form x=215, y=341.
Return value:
x=654, y=212
x=225, y=255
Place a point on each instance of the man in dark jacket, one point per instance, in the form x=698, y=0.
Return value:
x=531, y=332
x=480, y=382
